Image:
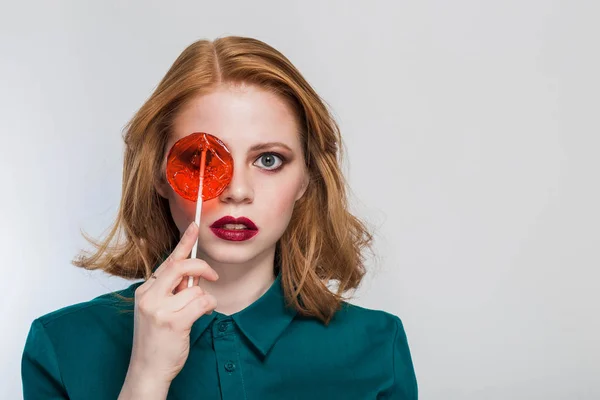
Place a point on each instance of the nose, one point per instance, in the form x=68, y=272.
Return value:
x=240, y=189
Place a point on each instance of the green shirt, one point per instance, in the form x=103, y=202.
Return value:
x=265, y=351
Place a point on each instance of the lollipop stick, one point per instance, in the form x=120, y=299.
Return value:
x=198, y=211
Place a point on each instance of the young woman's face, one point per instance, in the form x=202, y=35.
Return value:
x=266, y=182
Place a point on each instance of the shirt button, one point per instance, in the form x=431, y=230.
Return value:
x=229, y=366
x=222, y=326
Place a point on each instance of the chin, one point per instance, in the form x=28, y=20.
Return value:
x=231, y=254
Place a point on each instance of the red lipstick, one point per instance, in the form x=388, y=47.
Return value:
x=232, y=234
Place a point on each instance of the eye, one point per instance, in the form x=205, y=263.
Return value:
x=271, y=161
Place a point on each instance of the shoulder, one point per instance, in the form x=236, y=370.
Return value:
x=366, y=318
x=107, y=300
x=387, y=341
x=380, y=331
x=78, y=330
x=356, y=328
x=65, y=346
x=93, y=319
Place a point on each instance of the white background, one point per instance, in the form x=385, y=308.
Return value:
x=472, y=135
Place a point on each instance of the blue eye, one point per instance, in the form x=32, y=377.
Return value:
x=270, y=161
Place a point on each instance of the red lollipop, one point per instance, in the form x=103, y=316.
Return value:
x=184, y=166
x=199, y=167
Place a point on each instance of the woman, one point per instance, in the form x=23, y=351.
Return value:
x=262, y=323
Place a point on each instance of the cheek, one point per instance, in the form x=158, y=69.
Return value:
x=182, y=210
x=277, y=201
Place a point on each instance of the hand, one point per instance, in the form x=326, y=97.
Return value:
x=165, y=310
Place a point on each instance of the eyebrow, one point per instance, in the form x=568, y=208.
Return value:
x=269, y=145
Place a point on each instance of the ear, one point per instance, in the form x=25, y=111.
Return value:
x=161, y=187
x=304, y=186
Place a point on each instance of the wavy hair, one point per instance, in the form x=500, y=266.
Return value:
x=323, y=242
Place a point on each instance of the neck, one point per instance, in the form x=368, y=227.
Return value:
x=240, y=285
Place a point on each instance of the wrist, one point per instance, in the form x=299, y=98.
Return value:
x=139, y=385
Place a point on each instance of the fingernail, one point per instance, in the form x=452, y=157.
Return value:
x=190, y=228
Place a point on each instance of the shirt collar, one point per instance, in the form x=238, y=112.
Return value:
x=262, y=322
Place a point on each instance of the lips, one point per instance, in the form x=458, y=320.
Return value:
x=234, y=235
x=220, y=223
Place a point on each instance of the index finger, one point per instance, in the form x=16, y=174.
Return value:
x=183, y=248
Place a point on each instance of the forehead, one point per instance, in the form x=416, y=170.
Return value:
x=241, y=116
